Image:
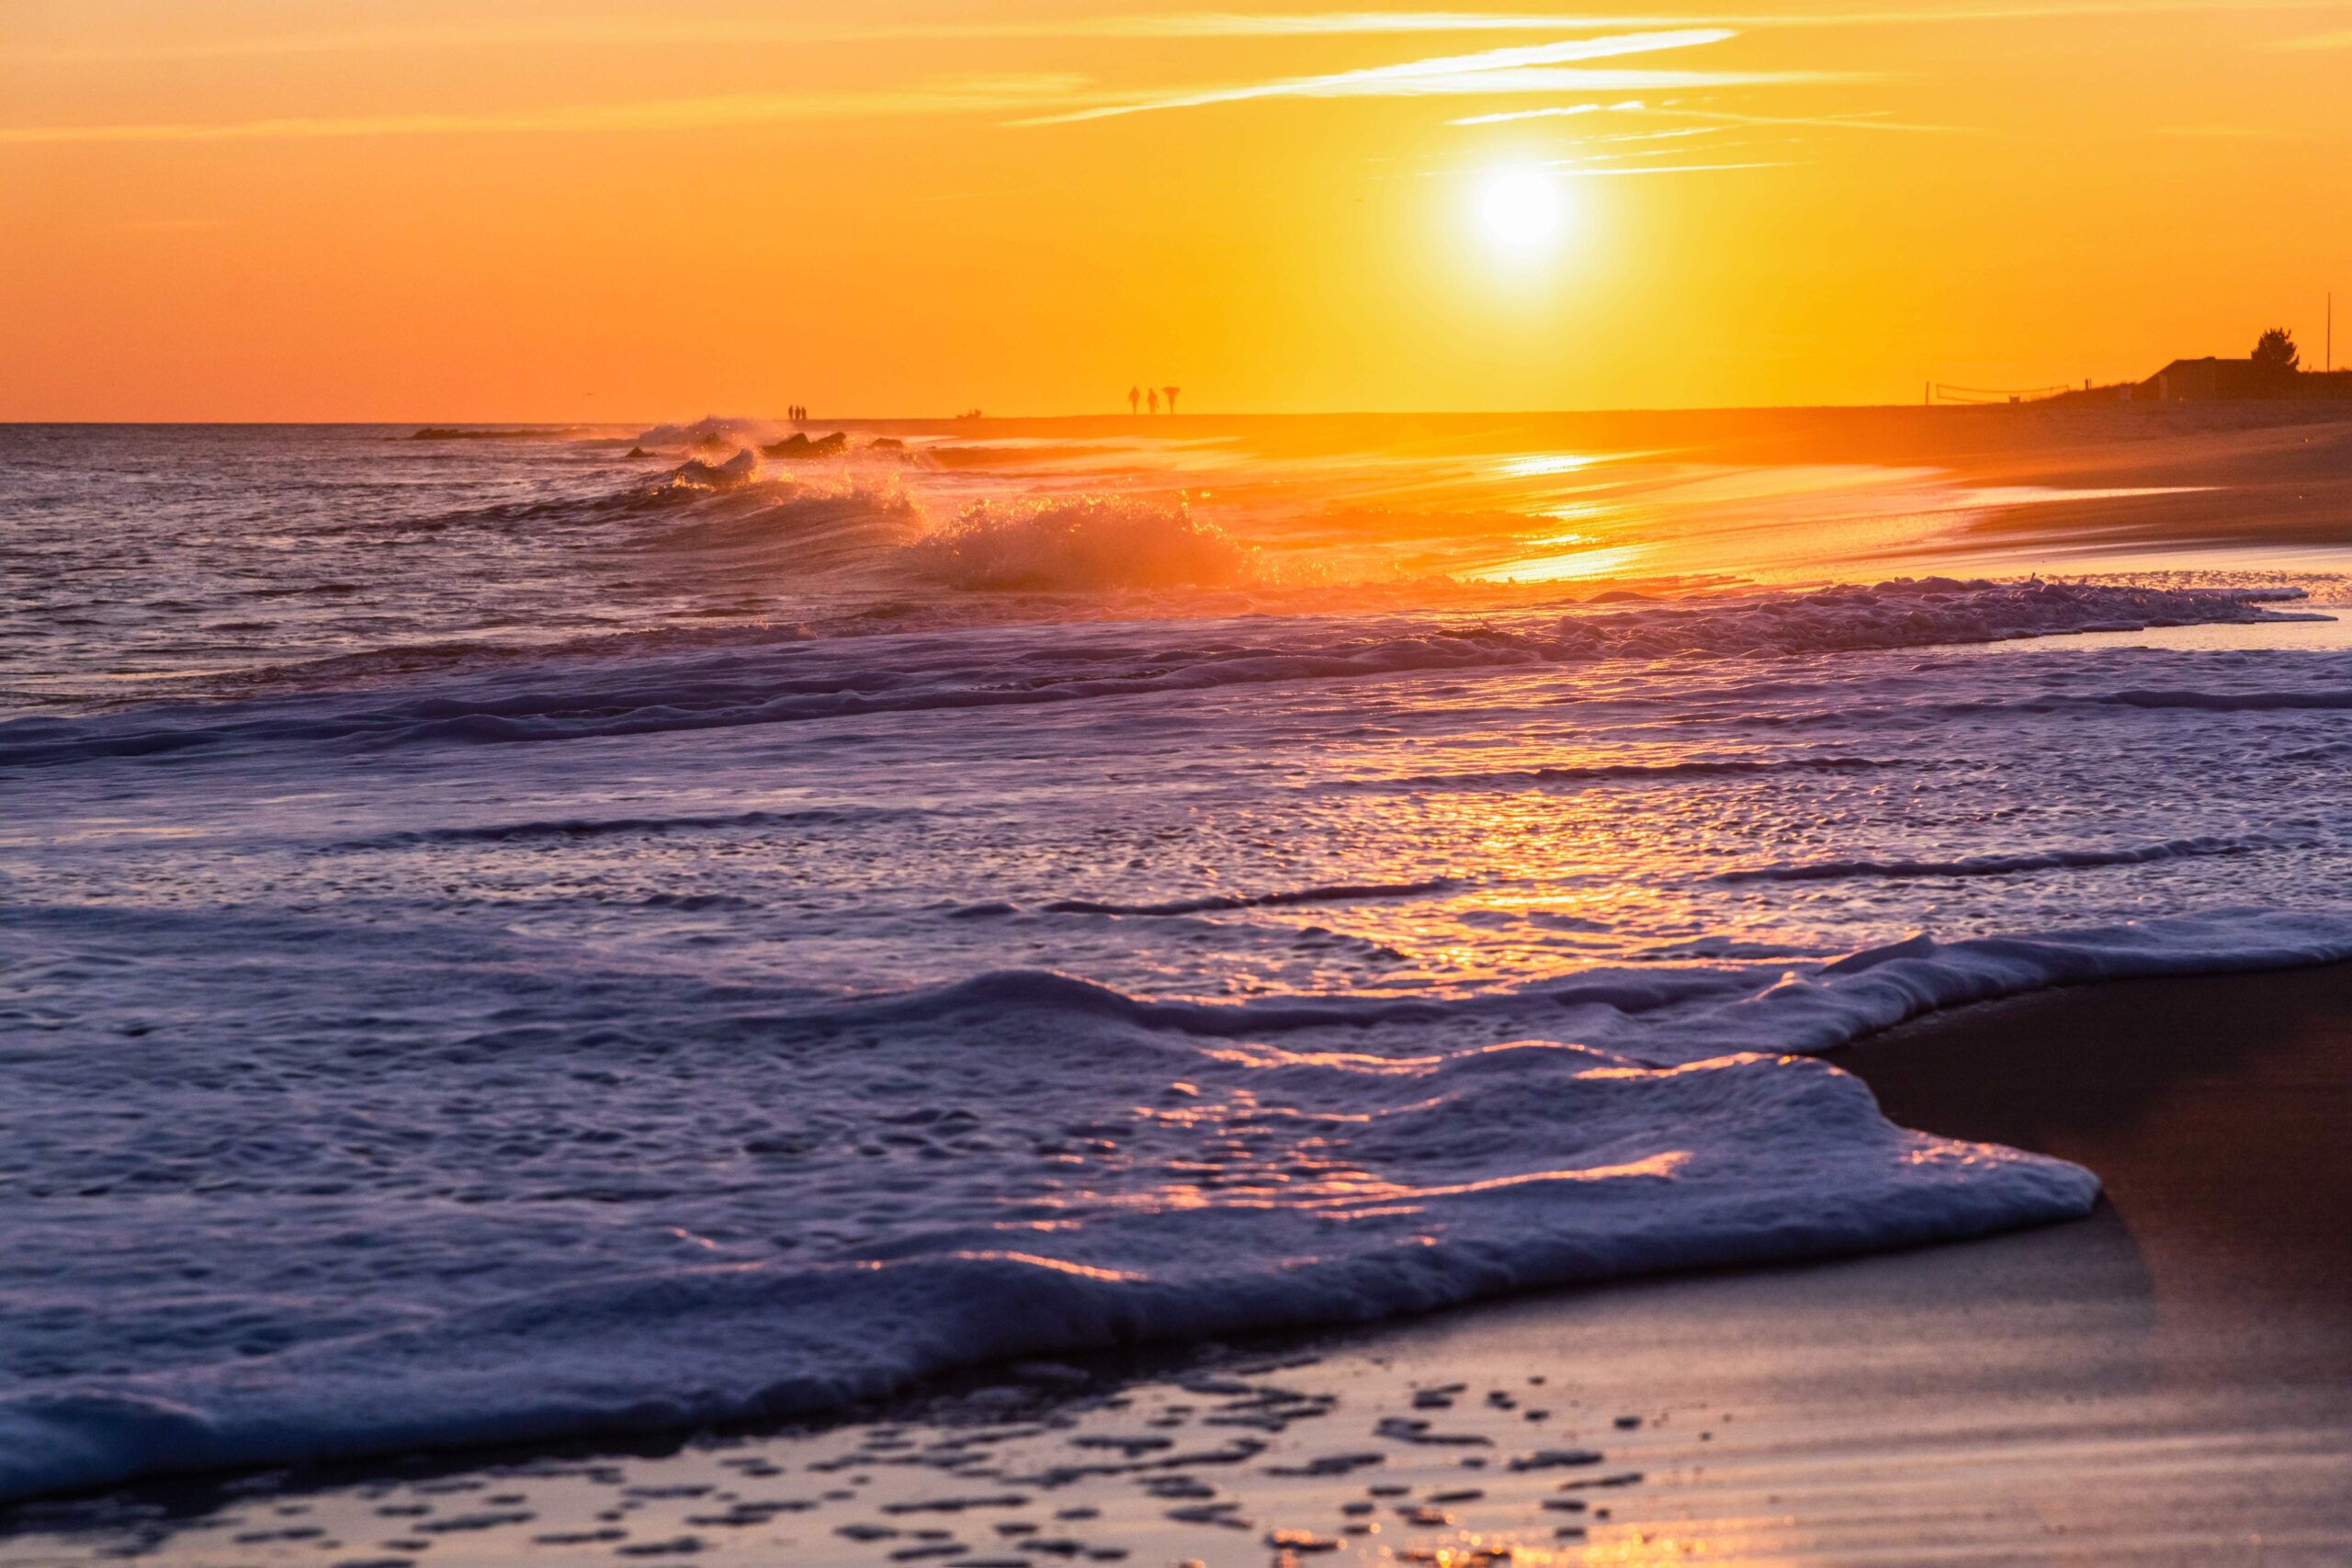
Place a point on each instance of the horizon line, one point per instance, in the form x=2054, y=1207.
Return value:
x=1140, y=419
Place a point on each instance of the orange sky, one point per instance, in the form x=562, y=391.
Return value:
x=559, y=209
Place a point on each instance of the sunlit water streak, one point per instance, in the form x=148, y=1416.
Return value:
x=507, y=939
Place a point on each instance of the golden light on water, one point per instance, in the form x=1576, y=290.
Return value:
x=1542, y=465
x=1581, y=559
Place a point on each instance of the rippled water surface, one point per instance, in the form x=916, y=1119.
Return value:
x=511, y=938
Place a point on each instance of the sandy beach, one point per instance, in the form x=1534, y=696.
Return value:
x=2167, y=1382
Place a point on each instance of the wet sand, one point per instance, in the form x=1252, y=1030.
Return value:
x=2167, y=1382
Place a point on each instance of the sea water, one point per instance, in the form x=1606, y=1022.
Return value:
x=515, y=939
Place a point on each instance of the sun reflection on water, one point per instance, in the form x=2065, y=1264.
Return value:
x=1537, y=465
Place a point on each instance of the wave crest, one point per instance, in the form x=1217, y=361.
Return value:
x=747, y=676
x=1087, y=544
x=2006, y=864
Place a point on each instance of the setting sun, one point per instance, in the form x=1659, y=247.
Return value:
x=314, y=210
x=1521, y=209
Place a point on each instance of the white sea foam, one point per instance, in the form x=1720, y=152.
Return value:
x=1356, y=1184
x=1357, y=1199
x=448, y=1036
x=710, y=431
x=1083, y=546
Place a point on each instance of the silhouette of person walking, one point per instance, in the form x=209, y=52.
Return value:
x=1172, y=392
x=1134, y=398
x=1154, y=395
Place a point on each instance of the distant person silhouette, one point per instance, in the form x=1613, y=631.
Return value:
x=1135, y=399
x=1172, y=392
x=1154, y=395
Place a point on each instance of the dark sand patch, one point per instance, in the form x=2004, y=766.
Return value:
x=2216, y=1112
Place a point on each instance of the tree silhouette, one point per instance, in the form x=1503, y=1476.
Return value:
x=2276, y=351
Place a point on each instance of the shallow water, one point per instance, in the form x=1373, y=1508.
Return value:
x=508, y=939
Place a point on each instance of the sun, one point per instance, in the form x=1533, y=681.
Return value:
x=1521, y=209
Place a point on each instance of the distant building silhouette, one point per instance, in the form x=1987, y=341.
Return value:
x=2198, y=381
x=2271, y=373
x=2272, y=370
x=2210, y=379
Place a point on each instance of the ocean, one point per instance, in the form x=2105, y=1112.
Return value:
x=531, y=933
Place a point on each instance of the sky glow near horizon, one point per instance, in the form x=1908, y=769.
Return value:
x=576, y=210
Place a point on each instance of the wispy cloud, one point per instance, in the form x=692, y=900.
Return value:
x=1340, y=24
x=1867, y=120
x=1683, y=135
x=1437, y=75
x=1583, y=79
x=1047, y=99
x=1617, y=171
x=2228, y=132
x=1552, y=111
x=669, y=114
x=1062, y=98
x=1217, y=23
x=1596, y=169
x=1540, y=68
x=640, y=32
x=623, y=32
x=1639, y=155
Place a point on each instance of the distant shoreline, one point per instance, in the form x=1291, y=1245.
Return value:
x=2238, y=413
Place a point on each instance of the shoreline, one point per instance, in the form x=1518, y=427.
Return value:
x=2212, y=412
x=2170, y=1379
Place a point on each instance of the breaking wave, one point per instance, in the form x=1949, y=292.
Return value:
x=743, y=677
x=573, y=829
x=1092, y=544
x=2234, y=701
